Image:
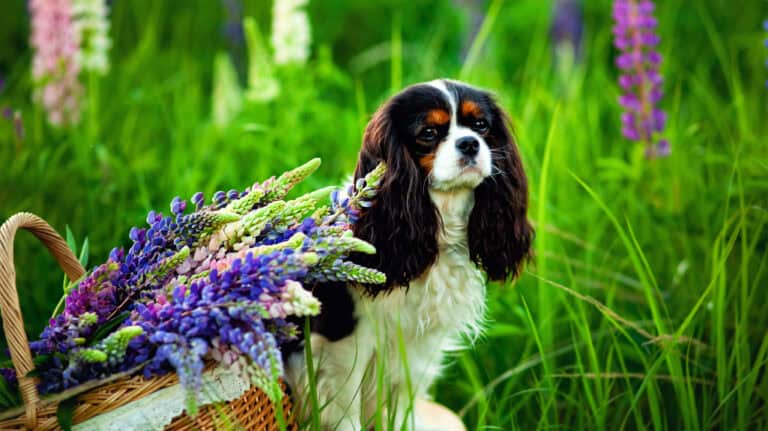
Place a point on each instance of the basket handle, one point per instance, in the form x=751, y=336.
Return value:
x=13, y=323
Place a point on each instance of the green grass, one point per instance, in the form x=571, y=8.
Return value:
x=645, y=307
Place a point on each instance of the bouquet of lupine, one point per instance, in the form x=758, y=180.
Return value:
x=214, y=284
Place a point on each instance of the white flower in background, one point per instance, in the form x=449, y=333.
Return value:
x=226, y=100
x=290, y=32
x=262, y=85
x=90, y=18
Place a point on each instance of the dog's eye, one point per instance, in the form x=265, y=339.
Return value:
x=429, y=134
x=480, y=126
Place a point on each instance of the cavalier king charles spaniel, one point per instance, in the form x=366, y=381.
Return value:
x=450, y=213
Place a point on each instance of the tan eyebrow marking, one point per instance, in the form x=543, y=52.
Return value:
x=471, y=109
x=438, y=117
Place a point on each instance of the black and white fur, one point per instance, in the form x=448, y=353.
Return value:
x=450, y=212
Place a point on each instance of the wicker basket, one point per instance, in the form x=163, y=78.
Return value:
x=252, y=411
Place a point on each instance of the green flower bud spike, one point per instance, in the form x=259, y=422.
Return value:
x=220, y=218
x=348, y=271
x=310, y=259
x=367, y=189
x=115, y=344
x=319, y=213
x=164, y=268
x=209, y=222
x=246, y=203
x=253, y=223
x=355, y=272
x=294, y=242
x=280, y=187
x=295, y=211
x=87, y=319
x=89, y=356
x=322, y=196
x=345, y=244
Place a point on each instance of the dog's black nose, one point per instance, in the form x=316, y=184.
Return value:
x=468, y=146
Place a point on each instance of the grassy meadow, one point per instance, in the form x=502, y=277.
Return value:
x=646, y=304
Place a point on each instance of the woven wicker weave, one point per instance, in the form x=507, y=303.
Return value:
x=252, y=411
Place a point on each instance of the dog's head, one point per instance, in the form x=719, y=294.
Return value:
x=442, y=136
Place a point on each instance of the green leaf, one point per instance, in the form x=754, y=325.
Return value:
x=84, y=253
x=107, y=328
x=71, y=242
x=41, y=359
x=65, y=412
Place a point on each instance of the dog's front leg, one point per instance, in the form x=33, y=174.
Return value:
x=339, y=367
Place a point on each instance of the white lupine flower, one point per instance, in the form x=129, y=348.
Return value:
x=290, y=32
x=301, y=301
x=226, y=100
x=90, y=17
x=262, y=85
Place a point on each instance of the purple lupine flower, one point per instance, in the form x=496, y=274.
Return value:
x=567, y=26
x=641, y=82
x=199, y=286
x=235, y=36
x=765, y=27
x=9, y=374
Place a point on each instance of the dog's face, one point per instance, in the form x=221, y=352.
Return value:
x=443, y=135
x=446, y=127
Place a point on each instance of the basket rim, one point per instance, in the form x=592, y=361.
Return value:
x=108, y=386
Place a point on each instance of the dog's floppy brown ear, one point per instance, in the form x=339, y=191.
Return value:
x=402, y=223
x=500, y=235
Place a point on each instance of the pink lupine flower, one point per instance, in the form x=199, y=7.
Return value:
x=55, y=66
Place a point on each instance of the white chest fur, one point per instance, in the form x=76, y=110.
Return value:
x=404, y=333
x=421, y=323
x=449, y=298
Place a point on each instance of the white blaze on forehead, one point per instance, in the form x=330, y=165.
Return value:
x=440, y=85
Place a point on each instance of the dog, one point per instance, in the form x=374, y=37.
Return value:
x=449, y=214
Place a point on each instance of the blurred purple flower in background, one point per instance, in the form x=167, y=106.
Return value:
x=55, y=64
x=11, y=115
x=765, y=27
x=475, y=12
x=235, y=35
x=641, y=82
x=567, y=28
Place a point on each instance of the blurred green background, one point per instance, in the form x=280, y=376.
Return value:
x=646, y=304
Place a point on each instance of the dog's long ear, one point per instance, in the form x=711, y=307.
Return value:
x=500, y=235
x=402, y=223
